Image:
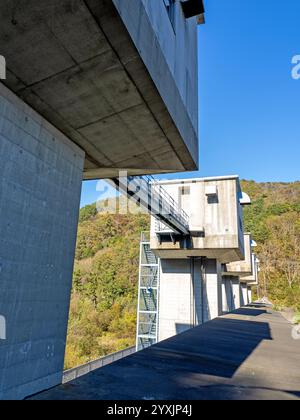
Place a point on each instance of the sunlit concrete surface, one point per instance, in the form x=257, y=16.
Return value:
x=246, y=355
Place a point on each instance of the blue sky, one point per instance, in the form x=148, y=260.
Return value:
x=249, y=102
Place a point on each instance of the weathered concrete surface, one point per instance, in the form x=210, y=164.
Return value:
x=250, y=294
x=129, y=101
x=40, y=185
x=190, y=293
x=246, y=355
x=252, y=280
x=244, y=294
x=215, y=220
x=212, y=290
x=180, y=296
x=227, y=295
x=236, y=292
x=242, y=268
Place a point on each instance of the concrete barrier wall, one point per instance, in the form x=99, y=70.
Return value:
x=71, y=374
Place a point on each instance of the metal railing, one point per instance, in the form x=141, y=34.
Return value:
x=168, y=204
x=151, y=195
x=161, y=227
x=145, y=237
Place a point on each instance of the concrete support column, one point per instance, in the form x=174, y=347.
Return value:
x=227, y=295
x=244, y=294
x=40, y=184
x=180, y=301
x=212, y=290
x=249, y=294
x=235, y=282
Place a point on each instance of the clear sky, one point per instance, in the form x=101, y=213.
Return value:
x=249, y=102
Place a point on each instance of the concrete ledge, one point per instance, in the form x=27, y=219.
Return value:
x=77, y=372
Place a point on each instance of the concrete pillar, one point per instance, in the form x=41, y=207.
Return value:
x=190, y=294
x=212, y=290
x=249, y=295
x=40, y=176
x=227, y=295
x=235, y=282
x=180, y=297
x=244, y=294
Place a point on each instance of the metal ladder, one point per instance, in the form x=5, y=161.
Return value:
x=147, y=316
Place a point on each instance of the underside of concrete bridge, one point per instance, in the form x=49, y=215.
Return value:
x=246, y=355
x=108, y=75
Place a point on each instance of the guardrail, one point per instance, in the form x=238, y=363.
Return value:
x=71, y=374
x=168, y=202
x=151, y=196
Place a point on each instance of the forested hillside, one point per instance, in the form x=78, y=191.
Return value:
x=104, y=297
x=274, y=220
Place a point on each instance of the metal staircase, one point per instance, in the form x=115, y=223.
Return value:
x=148, y=193
x=172, y=221
x=147, y=320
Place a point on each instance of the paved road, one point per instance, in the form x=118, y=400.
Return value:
x=249, y=354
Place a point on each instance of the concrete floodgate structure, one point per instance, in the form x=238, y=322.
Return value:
x=92, y=87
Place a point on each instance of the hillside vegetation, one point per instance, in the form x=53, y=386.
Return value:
x=104, y=296
x=274, y=220
x=105, y=283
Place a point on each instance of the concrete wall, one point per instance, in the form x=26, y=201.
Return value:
x=40, y=184
x=180, y=297
x=190, y=294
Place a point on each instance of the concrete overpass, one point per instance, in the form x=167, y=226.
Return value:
x=92, y=87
